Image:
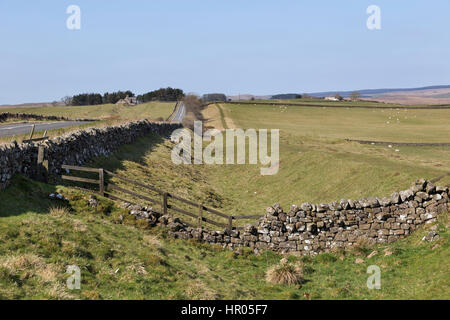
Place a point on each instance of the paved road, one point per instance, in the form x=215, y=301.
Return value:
x=181, y=113
x=14, y=129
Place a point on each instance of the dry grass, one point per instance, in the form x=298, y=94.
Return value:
x=197, y=289
x=32, y=267
x=152, y=241
x=59, y=211
x=285, y=273
x=216, y=118
x=79, y=226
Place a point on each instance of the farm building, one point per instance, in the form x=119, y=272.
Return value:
x=130, y=101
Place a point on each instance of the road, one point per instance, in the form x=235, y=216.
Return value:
x=13, y=129
x=181, y=113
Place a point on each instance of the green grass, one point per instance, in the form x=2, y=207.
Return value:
x=364, y=124
x=150, y=110
x=127, y=261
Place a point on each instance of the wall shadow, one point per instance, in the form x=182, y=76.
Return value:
x=24, y=195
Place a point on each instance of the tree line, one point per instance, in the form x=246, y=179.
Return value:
x=87, y=99
x=163, y=94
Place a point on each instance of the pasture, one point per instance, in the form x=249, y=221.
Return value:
x=150, y=110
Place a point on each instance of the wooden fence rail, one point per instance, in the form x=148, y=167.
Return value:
x=105, y=190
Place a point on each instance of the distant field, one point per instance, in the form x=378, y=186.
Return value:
x=317, y=164
x=108, y=114
x=363, y=124
x=366, y=102
x=151, y=110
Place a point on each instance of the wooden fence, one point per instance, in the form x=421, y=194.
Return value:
x=31, y=139
x=162, y=198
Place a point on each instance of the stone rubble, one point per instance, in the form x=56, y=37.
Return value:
x=431, y=236
x=57, y=196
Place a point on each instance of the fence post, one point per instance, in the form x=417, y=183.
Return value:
x=32, y=131
x=230, y=223
x=200, y=218
x=101, y=178
x=42, y=166
x=165, y=196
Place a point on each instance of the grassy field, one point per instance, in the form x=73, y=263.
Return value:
x=317, y=165
x=365, y=124
x=343, y=103
x=315, y=168
x=150, y=110
x=124, y=261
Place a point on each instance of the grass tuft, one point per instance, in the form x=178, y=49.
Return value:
x=285, y=273
x=59, y=211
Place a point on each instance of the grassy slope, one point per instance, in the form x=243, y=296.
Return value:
x=127, y=262
x=318, y=165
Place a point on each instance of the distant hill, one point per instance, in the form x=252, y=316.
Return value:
x=367, y=93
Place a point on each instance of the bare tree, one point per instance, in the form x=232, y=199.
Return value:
x=356, y=95
x=67, y=100
x=194, y=106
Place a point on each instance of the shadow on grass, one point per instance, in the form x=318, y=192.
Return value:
x=24, y=195
x=135, y=152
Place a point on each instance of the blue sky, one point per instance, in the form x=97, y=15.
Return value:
x=258, y=47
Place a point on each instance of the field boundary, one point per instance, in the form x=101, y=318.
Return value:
x=173, y=112
x=106, y=188
x=308, y=229
x=222, y=116
x=4, y=116
x=331, y=106
x=411, y=144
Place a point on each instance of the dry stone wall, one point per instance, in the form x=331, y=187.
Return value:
x=74, y=148
x=5, y=116
x=314, y=228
